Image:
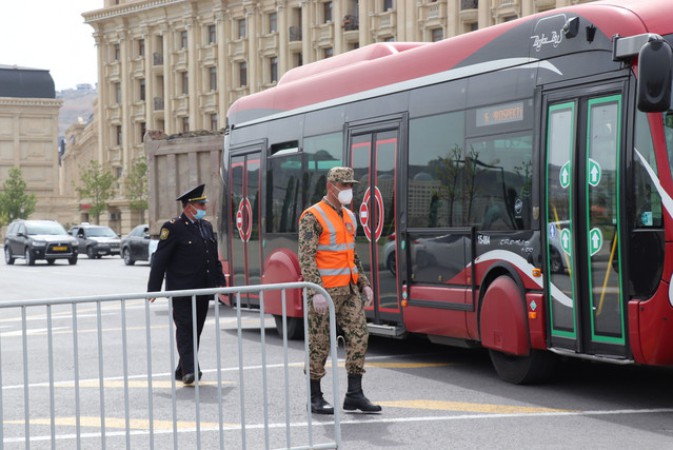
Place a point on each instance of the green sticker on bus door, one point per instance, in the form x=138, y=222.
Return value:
x=595, y=240
x=564, y=175
x=594, y=173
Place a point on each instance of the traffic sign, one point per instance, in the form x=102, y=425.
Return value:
x=594, y=175
x=564, y=175
x=595, y=240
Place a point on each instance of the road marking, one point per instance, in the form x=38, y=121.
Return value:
x=468, y=407
x=120, y=423
x=133, y=384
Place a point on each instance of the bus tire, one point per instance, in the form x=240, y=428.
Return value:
x=537, y=367
x=295, y=327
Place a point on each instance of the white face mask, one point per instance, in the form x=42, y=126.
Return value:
x=346, y=196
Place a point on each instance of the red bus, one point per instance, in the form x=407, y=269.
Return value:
x=515, y=184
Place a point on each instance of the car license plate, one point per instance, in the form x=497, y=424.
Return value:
x=59, y=248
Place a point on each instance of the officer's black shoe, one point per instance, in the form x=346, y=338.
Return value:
x=318, y=403
x=188, y=378
x=355, y=398
x=178, y=375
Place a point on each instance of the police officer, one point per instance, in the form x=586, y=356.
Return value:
x=187, y=257
x=327, y=257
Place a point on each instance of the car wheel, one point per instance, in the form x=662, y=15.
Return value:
x=90, y=253
x=128, y=260
x=30, y=258
x=9, y=260
x=51, y=261
x=72, y=260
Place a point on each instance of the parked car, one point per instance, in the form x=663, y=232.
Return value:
x=137, y=245
x=39, y=239
x=96, y=240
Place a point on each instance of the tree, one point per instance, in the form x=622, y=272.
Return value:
x=136, y=186
x=15, y=202
x=95, y=186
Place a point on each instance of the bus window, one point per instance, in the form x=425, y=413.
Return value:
x=284, y=184
x=647, y=200
x=321, y=153
x=436, y=163
x=499, y=182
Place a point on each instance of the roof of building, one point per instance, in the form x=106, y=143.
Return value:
x=24, y=82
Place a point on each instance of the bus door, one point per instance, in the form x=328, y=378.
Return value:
x=583, y=271
x=246, y=253
x=373, y=156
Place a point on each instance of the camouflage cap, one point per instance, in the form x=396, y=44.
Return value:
x=341, y=175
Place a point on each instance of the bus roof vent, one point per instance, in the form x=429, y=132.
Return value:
x=367, y=53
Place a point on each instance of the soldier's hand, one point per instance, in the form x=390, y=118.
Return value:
x=320, y=304
x=369, y=294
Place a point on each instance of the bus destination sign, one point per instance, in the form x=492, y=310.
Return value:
x=499, y=114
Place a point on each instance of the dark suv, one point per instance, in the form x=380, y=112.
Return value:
x=39, y=239
x=96, y=240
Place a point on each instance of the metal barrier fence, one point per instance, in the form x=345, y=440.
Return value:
x=45, y=357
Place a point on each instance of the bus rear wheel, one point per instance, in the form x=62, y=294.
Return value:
x=534, y=368
x=295, y=327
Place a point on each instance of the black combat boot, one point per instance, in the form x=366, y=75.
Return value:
x=318, y=403
x=355, y=398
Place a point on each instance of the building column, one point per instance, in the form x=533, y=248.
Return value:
x=169, y=82
x=484, y=18
x=193, y=69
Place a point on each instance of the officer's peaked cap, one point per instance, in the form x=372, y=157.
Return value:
x=194, y=195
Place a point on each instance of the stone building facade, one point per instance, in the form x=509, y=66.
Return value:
x=29, y=136
x=177, y=65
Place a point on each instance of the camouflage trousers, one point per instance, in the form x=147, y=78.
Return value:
x=350, y=317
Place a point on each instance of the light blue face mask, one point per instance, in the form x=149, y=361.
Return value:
x=200, y=214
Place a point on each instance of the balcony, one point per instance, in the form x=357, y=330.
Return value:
x=384, y=23
x=208, y=54
x=138, y=67
x=114, y=113
x=158, y=103
x=181, y=106
x=208, y=101
x=432, y=12
x=268, y=42
x=325, y=31
x=138, y=110
x=238, y=48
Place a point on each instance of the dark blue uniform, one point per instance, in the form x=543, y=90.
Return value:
x=187, y=257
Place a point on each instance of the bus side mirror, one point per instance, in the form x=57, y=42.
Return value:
x=655, y=61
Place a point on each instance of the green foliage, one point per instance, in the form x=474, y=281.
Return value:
x=15, y=202
x=96, y=187
x=136, y=185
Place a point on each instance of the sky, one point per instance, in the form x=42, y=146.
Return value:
x=51, y=35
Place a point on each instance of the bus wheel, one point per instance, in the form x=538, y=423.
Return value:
x=295, y=327
x=534, y=368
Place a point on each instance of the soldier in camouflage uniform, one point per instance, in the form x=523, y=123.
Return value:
x=345, y=288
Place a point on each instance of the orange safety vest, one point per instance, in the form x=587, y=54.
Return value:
x=335, y=256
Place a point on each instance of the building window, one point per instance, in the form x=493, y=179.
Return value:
x=184, y=82
x=327, y=11
x=185, y=124
x=328, y=52
x=183, y=40
x=212, y=34
x=141, y=89
x=243, y=74
x=213, y=122
x=436, y=34
x=117, y=92
x=118, y=134
x=273, y=69
x=212, y=77
x=142, y=128
x=116, y=52
x=273, y=22
x=388, y=4
x=241, y=28
x=298, y=59
x=141, y=48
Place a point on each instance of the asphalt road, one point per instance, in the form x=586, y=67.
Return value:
x=433, y=397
